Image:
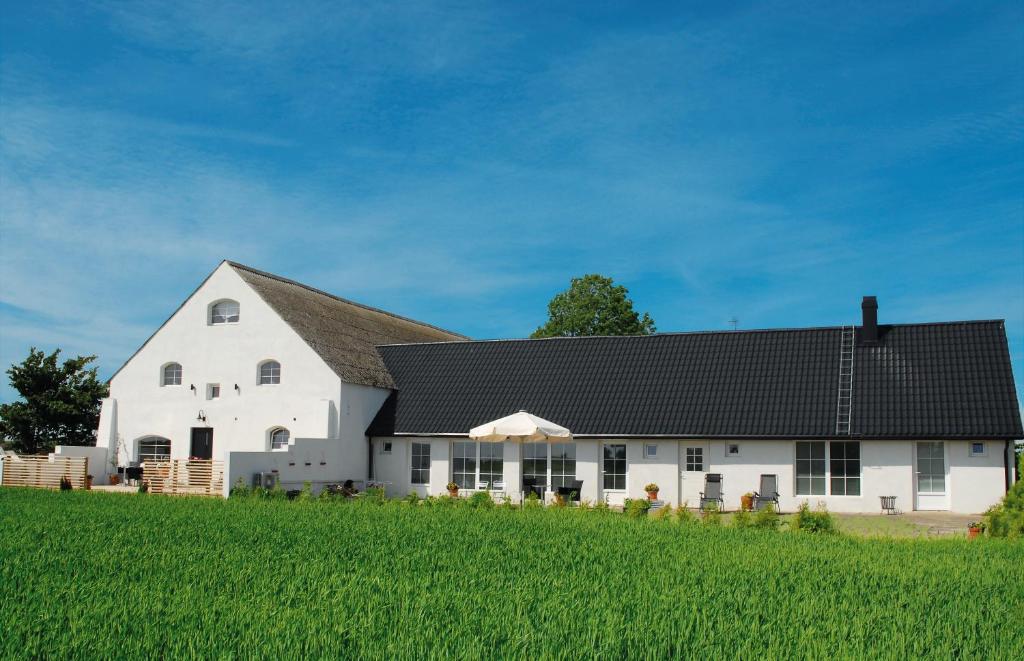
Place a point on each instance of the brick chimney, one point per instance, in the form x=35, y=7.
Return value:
x=869, y=326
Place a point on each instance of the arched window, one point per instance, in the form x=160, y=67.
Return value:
x=224, y=312
x=279, y=439
x=171, y=375
x=270, y=372
x=153, y=448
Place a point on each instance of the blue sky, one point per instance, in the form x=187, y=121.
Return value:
x=460, y=162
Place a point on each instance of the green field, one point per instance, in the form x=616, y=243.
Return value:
x=87, y=575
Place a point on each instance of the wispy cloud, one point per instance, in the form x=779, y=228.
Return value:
x=460, y=162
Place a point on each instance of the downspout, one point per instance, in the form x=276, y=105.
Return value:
x=370, y=457
x=1007, y=466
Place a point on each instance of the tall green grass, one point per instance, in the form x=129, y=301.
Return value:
x=85, y=575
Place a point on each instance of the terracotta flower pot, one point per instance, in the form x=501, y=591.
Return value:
x=115, y=479
x=747, y=502
x=454, y=493
x=973, y=532
x=652, y=495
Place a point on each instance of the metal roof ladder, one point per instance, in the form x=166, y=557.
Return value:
x=844, y=410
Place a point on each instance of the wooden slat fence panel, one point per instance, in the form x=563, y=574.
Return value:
x=184, y=477
x=39, y=471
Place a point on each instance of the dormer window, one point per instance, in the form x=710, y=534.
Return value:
x=270, y=373
x=224, y=312
x=171, y=375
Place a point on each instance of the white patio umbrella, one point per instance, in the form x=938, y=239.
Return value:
x=521, y=426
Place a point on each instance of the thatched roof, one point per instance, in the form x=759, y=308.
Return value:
x=344, y=333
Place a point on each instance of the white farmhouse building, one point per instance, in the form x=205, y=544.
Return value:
x=267, y=374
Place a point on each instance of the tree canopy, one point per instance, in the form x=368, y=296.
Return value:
x=59, y=405
x=594, y=305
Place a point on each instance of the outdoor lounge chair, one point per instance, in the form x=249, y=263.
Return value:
x=712, y=491
x=768, y=492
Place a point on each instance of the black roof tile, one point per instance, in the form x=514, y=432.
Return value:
x=948, y=380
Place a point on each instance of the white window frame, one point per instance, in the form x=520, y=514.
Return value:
x=163, y=374
x=212, y=391
x=413, y=446
x=476, y=476
x=625, y=470
x=151, y=439
x=550, y=476
x=690, y=464
x=811, y=476
x=648, y=454
x=729, y=446
x=984, y=449
x=828, y=471
x=386, y=446
x=225, y=319
x=846, y=478
x=259, y=373
x=270, y=439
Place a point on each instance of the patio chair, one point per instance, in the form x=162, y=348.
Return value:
x=712, y=491
x=497, y=486
x=768, y=492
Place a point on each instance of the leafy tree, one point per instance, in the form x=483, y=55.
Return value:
x=594, y=305
x=60, y=404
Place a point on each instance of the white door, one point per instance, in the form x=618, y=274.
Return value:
x=931, y=484
x=693, y=465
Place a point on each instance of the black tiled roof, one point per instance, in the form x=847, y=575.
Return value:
x=949, y=380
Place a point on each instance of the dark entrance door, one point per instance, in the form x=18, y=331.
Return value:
x=202, y=443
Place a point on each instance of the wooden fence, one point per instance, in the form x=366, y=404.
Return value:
x=184, y=477
x=39, y=471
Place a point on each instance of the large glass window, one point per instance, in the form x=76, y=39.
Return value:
x=420, y=463
x=695, y=460
x=270, y=372
x=810, y=468
x=154, y=448
x=614, y=466
x=464, y=464
x=535, y=462
x=563, y=465
x=171, y=375
x=224, y=312
x=279, y=439
x=492, y=462
x=844, y=467
x=473, y=463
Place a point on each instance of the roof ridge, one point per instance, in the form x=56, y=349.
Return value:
x=274, y=276
x=696, y=332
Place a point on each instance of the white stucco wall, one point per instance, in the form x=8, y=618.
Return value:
x=976, y=483
x=311, y=401
x=887, y=468
x=97, y=458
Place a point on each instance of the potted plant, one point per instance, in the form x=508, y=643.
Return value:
x=453, y=490
x=652, y=491
x=114, y=478
x=975, y=528
x=747, y=501
x=88, y=481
